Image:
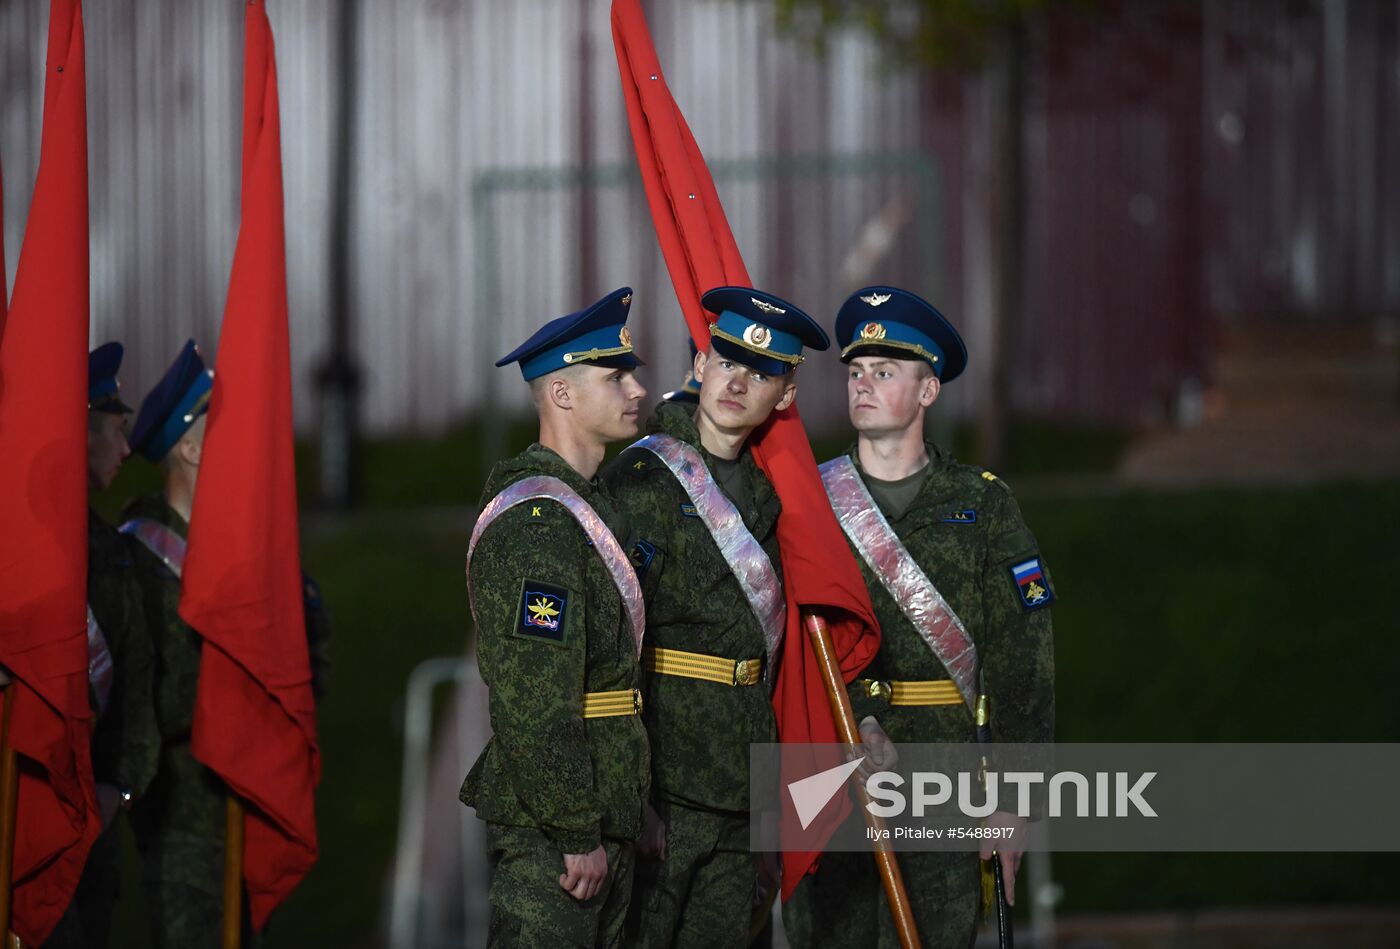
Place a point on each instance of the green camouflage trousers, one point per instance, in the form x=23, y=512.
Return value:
x=703, y=894
x=528, y=906
x=88, y=919
x=842, y=906
x=188, y=917
x=182, y=881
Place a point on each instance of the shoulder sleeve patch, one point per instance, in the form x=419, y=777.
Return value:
x=544, y=611
x=1032, y=586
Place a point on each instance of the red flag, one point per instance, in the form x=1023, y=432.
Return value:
x=819, y=572
x=255, y=719
x=43, y=519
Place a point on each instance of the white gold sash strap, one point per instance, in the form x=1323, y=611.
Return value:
x=99, y=663
x=739, y=548
x=860, y=517
x=609, y=550
x=168, y=546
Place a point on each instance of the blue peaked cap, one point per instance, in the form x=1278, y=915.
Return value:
x=172, y=406
x=595, y=336
x=887, y=321
x=760, y=330
x=104, y=394
x=689, y=392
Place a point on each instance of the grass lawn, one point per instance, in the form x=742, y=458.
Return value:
x=1209, y=616
x=1225, y=616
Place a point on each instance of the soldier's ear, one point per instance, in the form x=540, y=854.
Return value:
x=190, y=447
x=928, y=392
x=698, y=367
x=789, y=393
x=561, y=393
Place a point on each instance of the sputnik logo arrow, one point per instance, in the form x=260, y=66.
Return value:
x=810, y=795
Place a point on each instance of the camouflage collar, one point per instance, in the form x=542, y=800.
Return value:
x=98, y=526
x=939, y=487
x=678, y=421
x=538, y=460
x=155, y=507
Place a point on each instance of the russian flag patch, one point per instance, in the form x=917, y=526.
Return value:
x=1031, y=585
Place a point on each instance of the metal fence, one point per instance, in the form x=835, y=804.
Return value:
x=1190, y=164
x=889, y=204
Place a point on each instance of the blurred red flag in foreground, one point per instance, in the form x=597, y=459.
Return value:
x=43, y=520
x=255, y=718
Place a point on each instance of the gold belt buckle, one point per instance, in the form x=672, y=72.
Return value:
x=748, y=671
x=878, y=689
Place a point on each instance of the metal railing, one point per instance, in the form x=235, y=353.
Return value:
x=426, y=911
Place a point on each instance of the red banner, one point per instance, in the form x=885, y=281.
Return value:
x=43, y=520
x=819, y=572
x=255, y=718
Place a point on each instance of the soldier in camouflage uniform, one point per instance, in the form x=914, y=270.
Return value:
x=180, y=822
x=710, y=654
x=124, y=742
x=563, y=781
x=962, y=526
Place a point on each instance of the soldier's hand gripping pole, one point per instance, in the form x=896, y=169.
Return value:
x=1003, y=911
x=233, y=873
x=9, y=798
x=890, y=876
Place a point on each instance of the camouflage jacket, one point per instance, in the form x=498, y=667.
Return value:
x=179, y=822
x=125, y=742
x=545, y=766
x=966, y=531
x=700, y=731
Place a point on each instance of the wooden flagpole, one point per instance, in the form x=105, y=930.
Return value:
x=895, y=894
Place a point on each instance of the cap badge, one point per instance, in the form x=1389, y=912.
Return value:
x=766, y=307
x=872, y=331
x=756, y=334
x=627, y=300
x=875, y=299
x=624, y=337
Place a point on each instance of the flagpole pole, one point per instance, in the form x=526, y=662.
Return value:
x=9, y=798
x=895, y=894
x=233, y=873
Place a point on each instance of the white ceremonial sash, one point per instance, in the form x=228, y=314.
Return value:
x=740, y=549
x=873, y=537
x=168, y=546
x=614, y=559
x=99, y=663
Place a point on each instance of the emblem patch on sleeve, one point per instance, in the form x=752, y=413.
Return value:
x=543, y=611
x=1031, y=584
